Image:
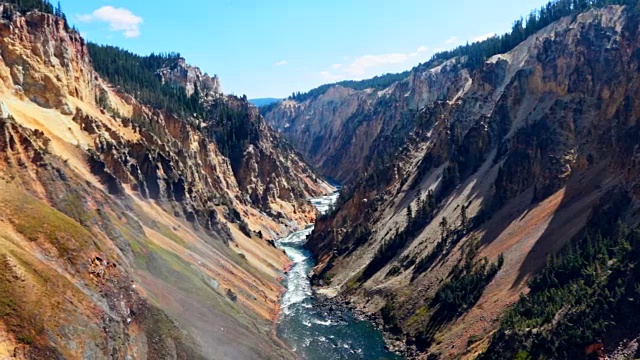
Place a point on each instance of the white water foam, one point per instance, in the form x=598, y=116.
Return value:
x=325, y=323
x=314, y=334
x=298, y=284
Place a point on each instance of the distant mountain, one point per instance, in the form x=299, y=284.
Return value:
x=264, y=101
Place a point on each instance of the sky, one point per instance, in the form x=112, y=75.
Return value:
x=271, y=48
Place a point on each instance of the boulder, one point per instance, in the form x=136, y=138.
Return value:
x=66, y=110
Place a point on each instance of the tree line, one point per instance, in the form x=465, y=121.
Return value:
x=24, y=6
x=587, y=294
x=138, y=76
x=232, y=129
x=478, y=52
x=131, y=73
x=377, y=82
x=426, y=207
x=475, y=54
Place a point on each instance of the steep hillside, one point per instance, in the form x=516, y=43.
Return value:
x=504, y=163
x=344, y=129
x=359, y=125
x=129, y=229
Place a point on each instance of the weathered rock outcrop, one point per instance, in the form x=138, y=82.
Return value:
x=508, y=159
x=190, y=78
x=43, y=61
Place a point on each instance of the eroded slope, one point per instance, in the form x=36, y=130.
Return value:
x=125, y=230
x=494, y=178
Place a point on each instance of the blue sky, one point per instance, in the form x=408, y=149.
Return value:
x=270, y=48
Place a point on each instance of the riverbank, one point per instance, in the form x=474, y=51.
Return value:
x=339, y=304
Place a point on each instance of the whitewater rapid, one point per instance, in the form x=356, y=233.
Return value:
x=316, y=334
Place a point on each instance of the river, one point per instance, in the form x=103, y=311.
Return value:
x=315, y=334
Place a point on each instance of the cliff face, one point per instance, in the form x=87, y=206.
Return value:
x=127, y=232
x=344, y=132
x=191, y=78
x=504, y=163
x=62, y=66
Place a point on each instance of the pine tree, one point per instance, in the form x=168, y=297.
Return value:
x=444, y=228
x=464, y=220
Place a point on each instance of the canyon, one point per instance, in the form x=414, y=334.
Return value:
x=488, y=206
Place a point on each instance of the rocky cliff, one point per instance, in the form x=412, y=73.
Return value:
x=190, y=78
x=128, y=231
x=342, y=129
x=498, y=168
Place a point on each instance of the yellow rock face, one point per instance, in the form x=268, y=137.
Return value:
x=117, y=238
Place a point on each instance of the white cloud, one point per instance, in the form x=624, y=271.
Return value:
x=119, y=19
x=331, y=77
x=370, y=65
x=360, y=65
x=452, y=40
x=483, y=37
x=281, y=63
